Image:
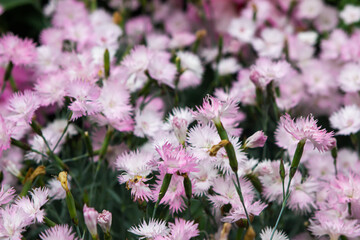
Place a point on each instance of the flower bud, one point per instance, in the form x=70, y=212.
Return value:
x=258, y=139
x=63, y=180
x=91, y=216
x=104, y=219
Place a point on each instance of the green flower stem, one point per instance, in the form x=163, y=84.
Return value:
x=164, y=187
x=334, y=154
x=107, y=236
x=230, y=151
x=26, y=188
x=48, y=222
x=294, y=165
x=70, y=202
x=106, y=61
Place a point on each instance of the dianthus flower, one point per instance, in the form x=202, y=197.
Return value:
x=347, y=120
x=278, y=235
x=39, y=197
x=183, y=229
x=63, y=232
x=16, y=50
x=306, y=128
x=175, y=159
x=136, y=166
x=213, y=109
x=178, y=121
x=266, y=71
x=13, y=222
x=151, y=229
x=6, y=196
x=4, y=135
x=22, y=106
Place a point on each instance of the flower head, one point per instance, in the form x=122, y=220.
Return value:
x=57, y=232
x=347, y=120
x=22, y=106
x=17, y=50
x=91, y=216
x=183, y=229
x=213, y=109
x=306, y=128
x=104, y=220
x=258, y=139
x=278, y=235
x=151, y=229
x=175, y=159
x=6, y=196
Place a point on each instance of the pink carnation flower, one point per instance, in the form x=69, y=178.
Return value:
x=306, y=128
x=5, y=134
x=183, y=229
x=18, y=51
x=175, y=159
x=63, y=232
x=22, y=106
x=347, y=120
x=213, y=109
x=6, y=196
x=13, y=222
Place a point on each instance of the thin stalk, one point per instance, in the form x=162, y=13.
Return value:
x=241, y=197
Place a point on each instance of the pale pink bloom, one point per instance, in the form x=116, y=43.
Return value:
x=104, y=220
x=346, y=120
x=306, y=128
x=201, y=138
x=237, y=212
x=177, y=22
x=175, y=159
x=90, y=217
x=309, y=9
x=270, y=44
x=204, y=178
x=350, y=51
x=178, y=121
x=327, y=20
x=100, y=16
x=349, y=77
x=318, y=77
x=69, y=12
x=213, y=110
x=22, y=106
x=270, y=179
x=242, y=29
x=13, y=222
x=228, y=66
x=39, y=197
x=162, y=70
x=319, y=165
x=5, y=134
x=148, y=123
x=6, y=196
x=135, y=167
x=138, y=26
x=18, y=51
x=332, y=47
x=347, y=161
x=52, y=37
x=51, y=88
x=47, y=59
x=278, y=235
x=56, y=191
x=265, y=11
x=302, y=196
x=151, y=229
x=350, y=14
x=181, y=40
x=86, y=96
x=157, y=41
x=308, y=37
x=183, y=229
x=193, y=70
x=114, y=100
x=175, y=194
x=291, y=91
x=107, y=35
x=57, y=232
x=258, y=139
x=324, y=223
x=347, y=188
x=298, y=49
x=265, y=71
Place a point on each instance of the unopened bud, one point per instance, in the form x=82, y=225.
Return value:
x=63, y=180
x=104, y=219
x=258, y=139
x=90, y=217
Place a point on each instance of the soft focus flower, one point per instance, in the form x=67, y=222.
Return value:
x=346, y=120
x=183, y=229
x=306, y=128
x=13, y=222
x=16, y=50
x=4, y=135
x=63, y=232
x=6, y=195
x=350, y=14
x=242, y=28
x=151, y=229
x=22, y=106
